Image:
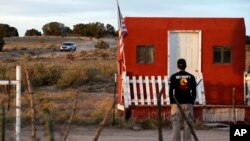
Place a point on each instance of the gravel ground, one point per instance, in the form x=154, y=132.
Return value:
x=80, y=133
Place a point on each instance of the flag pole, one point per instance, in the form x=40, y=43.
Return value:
x=122, y=31
x=118, y=23
x=117, y=12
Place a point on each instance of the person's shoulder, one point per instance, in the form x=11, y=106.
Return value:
x=173, y=75
x=189, y=74
x=192, y=76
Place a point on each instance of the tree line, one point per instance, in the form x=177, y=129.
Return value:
x=8, y=31
x=95, y=29
x=248, y=40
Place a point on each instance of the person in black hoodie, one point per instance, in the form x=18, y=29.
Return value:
x=183, y=87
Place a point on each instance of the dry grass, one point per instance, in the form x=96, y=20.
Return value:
x=58, y=106
x=50, y=42
x=55, y=79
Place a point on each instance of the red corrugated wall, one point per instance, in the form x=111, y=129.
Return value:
x=220, y=79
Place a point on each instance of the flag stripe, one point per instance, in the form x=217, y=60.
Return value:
x=122, y=32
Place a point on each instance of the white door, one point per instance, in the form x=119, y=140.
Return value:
x=184, y=45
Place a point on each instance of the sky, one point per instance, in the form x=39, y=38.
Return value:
x=28, y=14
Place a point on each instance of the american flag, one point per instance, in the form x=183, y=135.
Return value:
x=122, y=32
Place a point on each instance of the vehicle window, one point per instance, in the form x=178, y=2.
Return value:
x=68, y=44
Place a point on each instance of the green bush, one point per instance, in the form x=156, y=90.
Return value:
x=1, y=43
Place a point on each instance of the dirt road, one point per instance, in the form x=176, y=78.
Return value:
x=38, y=46
x=83, y=46
x=114, y=134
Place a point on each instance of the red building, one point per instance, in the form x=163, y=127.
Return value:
x=214, y=49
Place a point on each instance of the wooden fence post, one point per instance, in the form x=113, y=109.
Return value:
x=71, y=118
x=233, y=106
x=3, y=123
x=32, y=107
x=102, y=124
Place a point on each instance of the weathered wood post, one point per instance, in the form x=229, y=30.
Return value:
x=233, y=106
x=32, y=107
x=102, y=124
x=185, y=118
x=71, y=118
x=3, y=123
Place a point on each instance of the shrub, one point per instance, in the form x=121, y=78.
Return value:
x=26, y=57
x=73, y=76
x=3, y=72
x=108, y=70
x=102, y=45
x=32, y=32
x=56, y=29
x=70, y=56
x=53, y=74
x=37, y=74
x=8, y=31
x=92, y=74
x=1, y=44
x=41, y=75
x=149, y=124
x=104, y=55
x=248, y=40
x=76, y=76
x=83, y=53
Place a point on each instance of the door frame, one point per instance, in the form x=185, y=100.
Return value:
x=199, y=46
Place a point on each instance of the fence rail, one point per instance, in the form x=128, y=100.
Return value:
x=143, y=90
